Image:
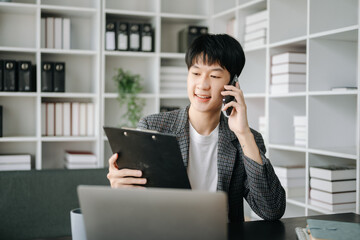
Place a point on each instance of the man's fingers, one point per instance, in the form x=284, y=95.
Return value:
x=112, y=160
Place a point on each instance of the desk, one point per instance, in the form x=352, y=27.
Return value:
x=282, y=229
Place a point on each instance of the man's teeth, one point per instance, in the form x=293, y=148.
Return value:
x=202, y=96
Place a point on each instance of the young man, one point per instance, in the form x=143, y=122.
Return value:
x=220, y=153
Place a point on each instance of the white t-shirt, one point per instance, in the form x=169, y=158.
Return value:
x=202, y=167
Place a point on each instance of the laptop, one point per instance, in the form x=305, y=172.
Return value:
x=153, y=213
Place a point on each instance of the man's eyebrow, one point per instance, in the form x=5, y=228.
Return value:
x=213, y=69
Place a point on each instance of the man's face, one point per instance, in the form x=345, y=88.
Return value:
x=204, y=84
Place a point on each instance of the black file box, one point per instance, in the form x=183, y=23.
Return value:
x=188, y=35
x=122, y=36
x=110, y=36
x=1, y=75
x=26, y=81
x=10, y=75
x=147, y=38
x=59, y=77
x=135, y=40
x=1, y=121
x=47, y=81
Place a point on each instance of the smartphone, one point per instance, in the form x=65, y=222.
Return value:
x=227, y=99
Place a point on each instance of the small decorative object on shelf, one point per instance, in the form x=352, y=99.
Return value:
x=129, y=85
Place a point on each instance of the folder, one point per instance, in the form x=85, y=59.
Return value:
x=110, y=43
x=1, y=75
x=323, y=229
x=135, y=43
x=188, y=35
x=59, y=77
x=147, y=38
x=122, y=36
x=26, y=81
x=47, y=84
x=1, y=121
x=10, y=75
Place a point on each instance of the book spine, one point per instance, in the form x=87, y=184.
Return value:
x=66, y=33
x=110, y=36
x=58, y=33
x=47, y=81
x=147, y=37
x=90, y=119
x=82, y=121
x=59, y=119
x=43, y=119
x=50, y=32
x=67, y=119
x=135, y=40
x=10, y=76
x=75, y=112
x=1, y=121
x=25, y=76
x=50, y=119
x=43, y=33
x=1, y=75
x=59, y=77
x=122, y=36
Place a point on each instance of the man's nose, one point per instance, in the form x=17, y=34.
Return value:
x=204, y=82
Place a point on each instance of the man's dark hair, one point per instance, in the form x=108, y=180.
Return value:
x=217, y=48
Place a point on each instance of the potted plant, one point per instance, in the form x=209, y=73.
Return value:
x=129, y=85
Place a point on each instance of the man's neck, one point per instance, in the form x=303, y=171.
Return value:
x=204, y=122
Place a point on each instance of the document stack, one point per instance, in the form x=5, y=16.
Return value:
x=80, y=160
x=292, y=178
x=262, y=127
x=300, y=125
x=288, y=73
x=67, y=119
x=255, y=30
x=15, y=162
x=55, y=32
x=173, y=79
x=333, y=187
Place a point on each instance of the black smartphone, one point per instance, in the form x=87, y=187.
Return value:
x=227, y=99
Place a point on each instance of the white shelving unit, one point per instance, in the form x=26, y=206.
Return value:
x=327, y=30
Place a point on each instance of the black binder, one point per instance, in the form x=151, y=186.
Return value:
x=110, y=36
x=47, y=84
x=26, y=83
x=1, y=75
x=134, y=32
x=147, y=38
x=122, y=36
x=188, y=35
x=10, y=75
x=59, y=77
x=1, y=121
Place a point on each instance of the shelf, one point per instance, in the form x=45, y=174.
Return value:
x=173, y=95
x=17, y=49
x=141, y=95
x=299, y=201
x=224, y=14
x=184, y=18
x=294, y=42
x=18, y=94
x=256, y=5
x=349, y=152
x=288, y=95
x=254, y=95
x=17, y=8
x=68, y=139
x=66, y=11
x=346, y=34
x=68, y=95
x=130, y=13
x=18, y=139
x=129, y=54
x=333, y=93
x=287, y=147
x=69, y=52
x=173, y=55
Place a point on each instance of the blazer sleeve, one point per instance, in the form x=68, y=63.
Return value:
x=263, y=190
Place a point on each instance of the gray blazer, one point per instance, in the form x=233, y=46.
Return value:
x=238, y=176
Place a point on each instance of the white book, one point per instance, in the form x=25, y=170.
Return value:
x=66, y=33
x=80, y=157
x=67, y=119
x=43, y=32
x=173, y=78
x=340, y=89
x=90, y=119
x=286, y=88
x=255, y=35
x=333, y=186
x=292, y=182
x=50, y=108
x=292, y=192
x=82, y=119
x=300, y=143
x=230, y=27
x=75, y=120
x=15, y=158
x=333, y=207
x=333, y=172
x=290, y=171
x=59, y=119
x=58, y=33
x=288, y=78
x=300, y=136
x=173, y=85
x=80, y=165
x=256, y=17
x=173, y=70
x=333, y=198
x=289, y=57
x=288, y=68
x=50, y=32
x=300, y=120
x=255, y=43
x=256, y=26
x=43, y=119
x=15, y=167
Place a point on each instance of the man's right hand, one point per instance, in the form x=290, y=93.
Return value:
x=125, y=177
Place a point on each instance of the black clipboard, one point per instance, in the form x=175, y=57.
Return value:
x=156, y=154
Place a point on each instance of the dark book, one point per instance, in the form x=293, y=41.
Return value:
x=135, y=41
x=10, y=75
x=26, y=81
x=1, y=75
x=1, y=121
x=147, y=38
x=59, y=77
x=188, y=35
x=122, y=36
x=110, y=36
x=47, y=73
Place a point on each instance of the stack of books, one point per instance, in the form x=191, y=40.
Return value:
x=333, y=187
x=262, y=126
x=300, y=125
x=80, y=160
x=173, y=79
x=67, y=119
x=230, y=27
x=292, y=178
x=55, y=32
x=288, y=73
x=255, y=30
x=15, y=162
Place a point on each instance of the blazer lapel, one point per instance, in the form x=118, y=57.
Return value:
x=226, y=155
x=181, y=126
